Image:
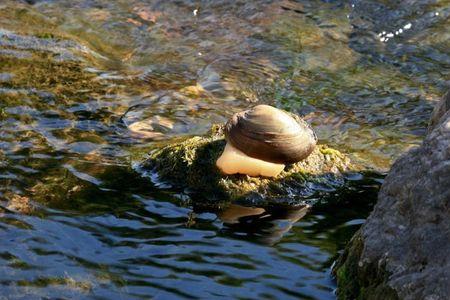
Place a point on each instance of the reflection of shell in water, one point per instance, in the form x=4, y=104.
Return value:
x=269, y=224
x=270, y=134
x=234, y=212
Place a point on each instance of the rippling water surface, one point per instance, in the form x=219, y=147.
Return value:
x=87, y=87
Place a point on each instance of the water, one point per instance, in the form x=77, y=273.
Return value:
x=88, y=86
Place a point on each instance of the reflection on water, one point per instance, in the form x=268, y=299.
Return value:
x=87, y=86
x=268, y=225
x=151, y=244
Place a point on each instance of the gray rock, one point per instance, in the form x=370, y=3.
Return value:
x=403, y=250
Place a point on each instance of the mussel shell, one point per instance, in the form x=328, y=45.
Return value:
x=270, y=134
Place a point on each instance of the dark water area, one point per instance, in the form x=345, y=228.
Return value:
x=87, y=87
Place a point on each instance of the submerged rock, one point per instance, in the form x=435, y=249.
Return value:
x=402, y=251
x=190, y=165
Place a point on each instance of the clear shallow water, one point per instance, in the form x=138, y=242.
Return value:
x=86, y=88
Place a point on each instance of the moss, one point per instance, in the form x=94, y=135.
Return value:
x=361, y=280
x=19, y=17
x=331, y=152
x=190, y=164
x=3, y=113
x=46, y=35
x=66, y=282
x=41, y=72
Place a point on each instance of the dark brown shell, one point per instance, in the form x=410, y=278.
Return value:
x=270, y=134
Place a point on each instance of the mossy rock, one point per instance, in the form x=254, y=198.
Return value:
x=190, y=165
x=358, y=280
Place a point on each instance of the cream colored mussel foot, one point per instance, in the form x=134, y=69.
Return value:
x=234, y=161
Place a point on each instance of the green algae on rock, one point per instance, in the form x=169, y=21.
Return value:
x=190, y=165
x=361, y=281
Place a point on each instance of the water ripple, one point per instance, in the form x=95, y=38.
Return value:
x=88, y=87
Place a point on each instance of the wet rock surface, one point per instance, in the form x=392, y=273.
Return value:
x=402, y=250
x=190, y=165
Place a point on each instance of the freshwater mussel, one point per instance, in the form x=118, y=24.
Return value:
x=261, y=140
